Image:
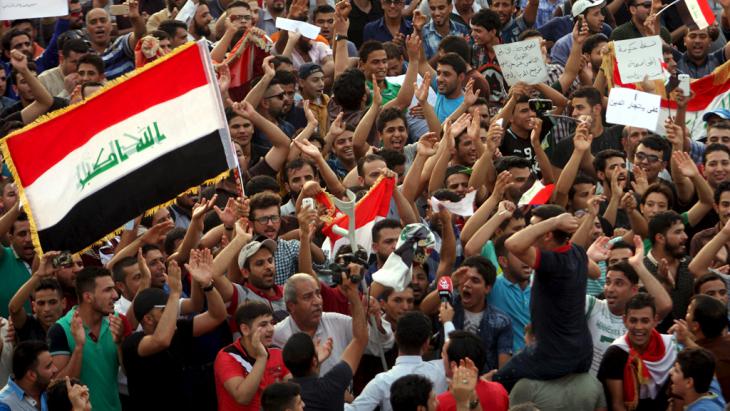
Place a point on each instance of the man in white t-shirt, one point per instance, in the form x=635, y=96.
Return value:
x=605, y=317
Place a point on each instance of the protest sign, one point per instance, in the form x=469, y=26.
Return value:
x=633, y=108
x=638, y=58
x=522, y=61
x=307, y=30
x=31, y=9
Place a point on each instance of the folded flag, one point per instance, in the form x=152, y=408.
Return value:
x=147, y=137
x=538, y=194
x=695, y=14
x=372, y=208
x=396, y=272
x=245, y=59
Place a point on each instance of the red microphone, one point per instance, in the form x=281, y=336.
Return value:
x=445, y=288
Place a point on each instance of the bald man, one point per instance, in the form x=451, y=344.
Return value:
x=118, y=55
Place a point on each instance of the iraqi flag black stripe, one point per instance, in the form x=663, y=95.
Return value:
x=153, y=184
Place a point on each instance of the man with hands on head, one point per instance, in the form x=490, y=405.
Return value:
x=154, y=358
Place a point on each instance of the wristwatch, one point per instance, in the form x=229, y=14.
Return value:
x=339, y=37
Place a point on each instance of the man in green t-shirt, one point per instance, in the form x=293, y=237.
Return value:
x=16, y=260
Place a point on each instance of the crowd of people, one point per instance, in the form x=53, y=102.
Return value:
x=611, y=293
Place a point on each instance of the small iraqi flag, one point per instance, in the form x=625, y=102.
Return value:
x=696, y=14
x=147, y=137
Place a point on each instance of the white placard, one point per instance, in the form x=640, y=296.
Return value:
x=187, y=12
x=522, y=61
x=307, y=30
x=464, y=208
x=31, y=9
x=633, y=108
x=639, y=57
x=414, y=102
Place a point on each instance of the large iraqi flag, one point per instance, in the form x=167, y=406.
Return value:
x=84, y=172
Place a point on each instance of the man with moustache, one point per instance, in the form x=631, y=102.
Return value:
x=16, y=260
x=268, y=14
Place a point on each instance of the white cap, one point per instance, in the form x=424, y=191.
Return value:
x=582, y=5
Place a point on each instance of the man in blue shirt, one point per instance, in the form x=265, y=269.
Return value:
x=450, y=71
x=440, y=26
x=511, y=291
x=589, y=12
x=512, y=27
x=33, y=370
x=383, y=29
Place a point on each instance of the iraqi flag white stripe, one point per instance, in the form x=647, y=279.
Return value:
x=693, y=119
x=181, y=120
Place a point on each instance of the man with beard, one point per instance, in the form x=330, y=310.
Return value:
x=697, y=61
x=247, y=366
x=156, y=358
x=450, y=71
x=118, y=55
x=85, y=342
x=200, y=24
x=669, y=262
x=176, y=30
x=304, y=303
x=16, y=260
x=48, y=302
x=269, y=98
x=66, y=276
x=722, y=208
x=605, y=317
x=385, y=236
x=168, y=13
x=182, y=210
x=268, y=14
x=440, y=26
x=610, y=168
x=33, y=370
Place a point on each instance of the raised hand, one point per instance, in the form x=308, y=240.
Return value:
x=422, y=90
x=18, y=60
x=475, y=126
x=413, y=47
x=337, y=127
x=323, y=349
x=201, y=266
x=174, y=275
x=463, y=383
x=116, y=326
x=638, y=257
x=628, y=202
x=685, y=164
x=259, y=351
x=308, y=114
x=232, y=212
x=598, y=251
x=268, y=66
x=640, y=183
x=308, y=149
x=535, y=133
x=506, y=208
x=342, y=11
x=243, y=109
x=154, y=234
x=419, y=20
x=504, y=180
x=224, y=77
x=446, y=312
x=78, y=396
x=427, y=144
x=583, y=138
x=45, y=268
x=202, y=208
x=377, y=97
x=244, y=230
x=470, y=94
x=566, y=222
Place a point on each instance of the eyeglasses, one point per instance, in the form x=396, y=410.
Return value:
x=650, y=158
x=265, y=219
x=280, y=96
x=237, y=18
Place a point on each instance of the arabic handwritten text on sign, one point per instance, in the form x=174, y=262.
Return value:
x=639, y=57
x=633, y=108
x=29, y=9
x=522, y=61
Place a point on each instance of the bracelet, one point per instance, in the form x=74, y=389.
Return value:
x=209, y=288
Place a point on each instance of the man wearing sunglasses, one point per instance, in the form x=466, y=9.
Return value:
x=634, y=28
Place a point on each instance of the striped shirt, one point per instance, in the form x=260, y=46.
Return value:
x=118, y=57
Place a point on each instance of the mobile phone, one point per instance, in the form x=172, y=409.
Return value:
x=540, y=105
x=308, y=202
x=119, y=9
x=499, y=121
x=62, y=259
x=684, y=84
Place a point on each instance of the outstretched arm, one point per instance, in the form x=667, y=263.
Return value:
x=521, y=243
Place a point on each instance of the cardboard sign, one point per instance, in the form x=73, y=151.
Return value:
x=522, y=61
x=633, y=108
x=640, y=57
x=32, y=9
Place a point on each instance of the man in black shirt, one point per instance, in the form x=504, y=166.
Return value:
x=557, y=304
x=587, y=105
x=300, y=357
x=642, y=348
x=516, y=140
x=155, y=357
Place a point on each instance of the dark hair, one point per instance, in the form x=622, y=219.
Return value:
x=706, y=278
x=297, y=164
x=118, y=274
x=159, y=35
x=698, y=364
x=150, y=247
x=57, y=394
x=721, y=125
x=410, y=392
x=369, y=47
x=392, y=158
x=250, y=310
x=516, y=215
x=453, y=60
x=483, y=266
x=499, y=248
x=25, y=357
x=529, y=33
x=263, y=200
x=86, y=280
x=49, y=284
x=238, y=3
x=369, y=158
x=279, y=396
x=639, y=301
x=93, y=60
x=457, y=45
x=549, y=211
x=661, y=222
x=298, y=353
x=322, y=9
x=21, y=218
x=659, y=144
x=721, y=188
x=383, y=224
x=591, y=94
x=171, y=26
x=599, y=161
x=177, y=233
x=76, y=45
x=89, y=84
x=279, y=60
x=593, y=41
x=349, y=88
x=259, y=184
x=444, y=194
x=463, y=345
x=710, y=314
x=412, y=332
x=387, y=115
x=714, y=147
x=661, y=188
x=392, y=51
x=8, y=127
x=284, y=78
x=10, y=35
x=623, y=244
x=508, y=162
x=580, y=178
x=627, y=270
x=488, y=19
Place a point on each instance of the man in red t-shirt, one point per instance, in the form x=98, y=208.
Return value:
x=244, y=368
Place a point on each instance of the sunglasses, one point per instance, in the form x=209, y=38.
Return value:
x=651, y=158
x=280, y=96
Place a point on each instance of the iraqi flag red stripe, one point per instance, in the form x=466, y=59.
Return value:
x=71, y=130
